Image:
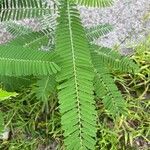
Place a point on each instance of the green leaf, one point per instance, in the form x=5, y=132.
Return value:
x=112, y=60
x=5, y=95
x=12, y=84
x=35, y=40
x=75, y=80
x=106, y=89
x=17, y=29
x=20, y=61
x=21, y=9
x=93, y=33
x=45, y=87
x=93, y=3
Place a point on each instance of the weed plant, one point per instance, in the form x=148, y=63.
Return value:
x=32, y=128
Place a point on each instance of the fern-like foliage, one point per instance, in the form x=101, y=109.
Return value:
x=105, y=61
x=17, y=30
x=13, y=83
x=76, y=81
x=112, y=60
x=76, y=67
x=45, y=37
x=35, y=40
x=93, y=33
x=26, y=37
x=93, y=3
x=44, y=89
x=19, y=61
x=106, y=89
x=48, y=21
x=21, y=9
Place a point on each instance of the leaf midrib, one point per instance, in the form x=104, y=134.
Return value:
x=75, y=72
x=25, y=60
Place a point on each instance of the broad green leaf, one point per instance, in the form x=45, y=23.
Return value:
x=5, y=95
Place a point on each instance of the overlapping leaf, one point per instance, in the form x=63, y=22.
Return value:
x=17, y=29
x=19, y=61
x=93, y=33
x=106, y=89
x=44, y=90
x=45, y=87
x=21, y=9
x=13, y=83
x=35, y=40
x=112, y=59
x=104, y=84
x=93, y=3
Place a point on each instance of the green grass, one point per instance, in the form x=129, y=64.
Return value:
x=30, y=126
